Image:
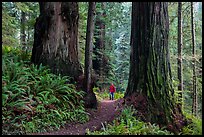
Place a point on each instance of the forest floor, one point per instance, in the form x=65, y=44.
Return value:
x=107, y=111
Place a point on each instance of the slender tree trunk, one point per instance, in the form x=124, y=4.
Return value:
x=89, y=45
x=56, y=38
x=150, y=82
x=180, y=45
x=99, y=49
x=90, y=98
x=102, y=45
x=23, y=34
x=194, y=105
x=28, y=30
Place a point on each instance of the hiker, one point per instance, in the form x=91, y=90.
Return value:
x=112, y=90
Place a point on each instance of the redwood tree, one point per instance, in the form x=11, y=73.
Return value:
x=56, y=38
x=90, y=97
x=100, y=61
x=150, y=83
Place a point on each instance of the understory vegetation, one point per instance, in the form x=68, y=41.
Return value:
x=34, y=99
x=106, y=95
x=128, y=124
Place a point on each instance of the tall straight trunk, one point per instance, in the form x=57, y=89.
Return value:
x=23, y=34
x=102, y=44
x=56, y=38
x=194, y=105
x=180, y=45
x=28, y=30
x=150, y=88
x=89, y=45
x=90, y=98
x=99, y=48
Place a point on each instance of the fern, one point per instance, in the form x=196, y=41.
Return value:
x=127, y=124
x=33, y=90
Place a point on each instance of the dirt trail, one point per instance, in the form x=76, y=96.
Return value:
x=105, y=113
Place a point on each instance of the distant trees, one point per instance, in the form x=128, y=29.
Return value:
x=18, y=20
x=120, y=29
x=150, y=82
x=180, y=45
x=195, y=103
x=187, y=53
x=115, y=38
x=99, y=58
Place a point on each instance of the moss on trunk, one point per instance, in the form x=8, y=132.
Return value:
x=150, y=72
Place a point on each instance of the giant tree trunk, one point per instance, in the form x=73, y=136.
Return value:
x=56, y=38
x=150, y=83
x=90, y=98
x=195, y=103
x=180, y=44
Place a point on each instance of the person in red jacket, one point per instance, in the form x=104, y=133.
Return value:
x=112, y=89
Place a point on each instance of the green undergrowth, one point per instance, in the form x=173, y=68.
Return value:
x=34, y=99
x=106, y=95
x=127, y=124
x=194, y=126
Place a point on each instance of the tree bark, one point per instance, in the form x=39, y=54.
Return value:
x=23, y=34
x=89, y=45
x=180, y=45
x=90, y=98
x=150, y=82
x=194, y=105
x=98, y=50
x=56, y=38
x=28, y=30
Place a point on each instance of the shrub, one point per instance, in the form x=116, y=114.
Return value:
x=127, y=124
x=194, y=127
x=106, y=95
x=35, y=100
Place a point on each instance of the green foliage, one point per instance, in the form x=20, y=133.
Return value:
x=106, y=95
x=16, y=54
x=118, y=22
x=115, y=54
x=127, y=124
x=83, y=13
x=118, y=95
x=194, y=127
x=9, y=24
x=35, y=100
x=186, y=51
